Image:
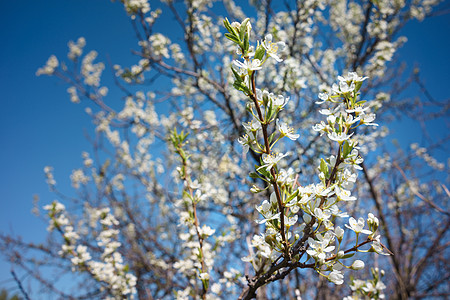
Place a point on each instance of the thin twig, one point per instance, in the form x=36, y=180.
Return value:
x=19, y=284
x=416, y=192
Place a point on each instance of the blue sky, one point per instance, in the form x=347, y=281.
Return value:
x=40, y=126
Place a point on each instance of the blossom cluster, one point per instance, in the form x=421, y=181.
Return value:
x=199, y=255
x=50, y=66
x=110, y=270
x=368, y=289
x=295, y=213
x=431, y=161
x=135, y=7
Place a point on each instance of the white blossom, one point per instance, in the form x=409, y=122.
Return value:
x=357, y=226
x=272, y=49
x=248, y=64
x=287, y=131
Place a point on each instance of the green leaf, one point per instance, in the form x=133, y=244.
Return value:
x=243, y=29
x=241, y=87
x=246, y=43
x=270, y=114
x=348, y=255
x=361, y=102
x=227, y=25
x=254, y=175
x=358, y=85
x=182, y=153
x=232, y=38
x=263, y=171
x=230, y=28
x=236, y=75
x=271, y=137
x=346, y=149
x=323, y=167
x=185, y=136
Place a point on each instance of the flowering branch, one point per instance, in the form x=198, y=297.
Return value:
x=178, y=141
x=317, y=202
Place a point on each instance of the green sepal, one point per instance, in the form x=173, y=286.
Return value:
x=358, y=85
x=187, y=195
x=271, y=113
x=354, y=99
x=292, y=196
x=271, y=137
x=260, y=52
x=205, y=284
x=126, y=268
x=248, y=107
x=263, y=172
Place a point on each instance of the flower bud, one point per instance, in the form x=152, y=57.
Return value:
x=254, y=189
x=339, y=232
x=204, y=276
x=372, y=222
x=357, y=265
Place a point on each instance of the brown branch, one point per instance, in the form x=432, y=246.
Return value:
x=272, y=171
x=394, y=258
